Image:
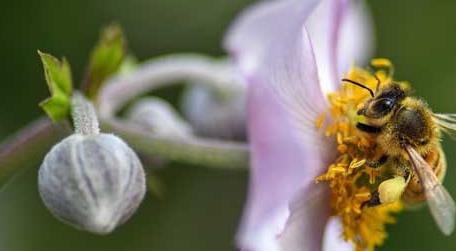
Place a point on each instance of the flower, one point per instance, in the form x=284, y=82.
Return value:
x=292, y=53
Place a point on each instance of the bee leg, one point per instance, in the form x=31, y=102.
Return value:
x=368, y=128
x=377, y=163
x=403, y=169
x=403, y=141
x=373, y=201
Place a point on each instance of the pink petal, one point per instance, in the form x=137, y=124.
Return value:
x=281, y=165
x=304, y=228
x=348, y=42
x=323, y=29
x=261, y=25
x=356, y=39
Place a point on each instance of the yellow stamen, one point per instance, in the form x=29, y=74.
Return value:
x=350, y=179
x=381, y=62
x=355, y=163
x=320, y=121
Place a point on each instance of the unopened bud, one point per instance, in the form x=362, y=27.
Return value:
x=213, y=114
x=159, y=117
x=92, y=181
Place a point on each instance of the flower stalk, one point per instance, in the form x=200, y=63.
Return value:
x=84, y=116
x=32, y=141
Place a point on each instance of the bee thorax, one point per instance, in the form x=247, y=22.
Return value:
x=412, y=126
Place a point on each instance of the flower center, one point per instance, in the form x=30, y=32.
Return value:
x=351, y=178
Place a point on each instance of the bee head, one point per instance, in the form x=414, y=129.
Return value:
x=382, y=102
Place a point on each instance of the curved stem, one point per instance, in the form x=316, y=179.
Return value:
x=166, y=70
x=202, y=152
x=26, y=146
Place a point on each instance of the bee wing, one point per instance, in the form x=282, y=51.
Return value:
x=440, y=203
x=446, y=122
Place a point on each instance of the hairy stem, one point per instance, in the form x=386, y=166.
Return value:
x=84, y=116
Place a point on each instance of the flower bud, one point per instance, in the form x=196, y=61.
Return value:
x=93, y=182
x=215, y=115
x=157, y=116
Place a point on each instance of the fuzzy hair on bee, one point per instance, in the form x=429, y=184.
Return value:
x=408, y=135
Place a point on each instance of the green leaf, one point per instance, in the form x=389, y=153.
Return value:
x=105, y=59
x=58, y=78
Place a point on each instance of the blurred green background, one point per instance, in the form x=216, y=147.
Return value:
x=200, y=208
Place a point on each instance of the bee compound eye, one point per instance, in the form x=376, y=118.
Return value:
x=382, y=106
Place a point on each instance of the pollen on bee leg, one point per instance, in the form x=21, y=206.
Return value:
x=392, y=189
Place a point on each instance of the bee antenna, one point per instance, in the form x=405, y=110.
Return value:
x=360, y=85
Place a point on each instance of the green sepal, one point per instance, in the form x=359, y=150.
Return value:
x=105, y=59
x=129, y=64
x=58, y=78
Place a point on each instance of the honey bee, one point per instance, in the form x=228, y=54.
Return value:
x=408, y=136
